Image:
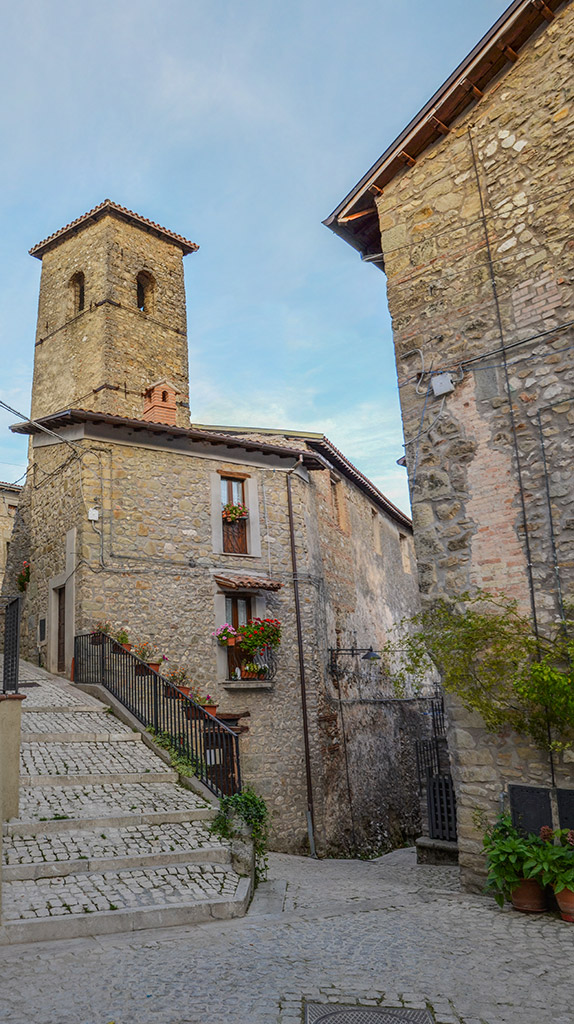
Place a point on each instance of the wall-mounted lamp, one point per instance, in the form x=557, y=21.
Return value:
x=367, y=654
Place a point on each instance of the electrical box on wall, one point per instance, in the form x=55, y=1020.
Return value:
x=442, y=384
x=93, y=515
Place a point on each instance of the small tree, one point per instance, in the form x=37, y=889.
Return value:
x=488, y=654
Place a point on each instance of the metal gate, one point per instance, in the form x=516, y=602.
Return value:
x=435, y=778
x=11, y=645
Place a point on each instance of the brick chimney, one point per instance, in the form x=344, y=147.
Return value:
x=159, y=403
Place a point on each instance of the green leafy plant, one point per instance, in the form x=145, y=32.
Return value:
x=177, y=748
x=251, y=809
x=488, y=654
x=23, y=577
x=551, y=861
x=258, y=634
x=121, y=635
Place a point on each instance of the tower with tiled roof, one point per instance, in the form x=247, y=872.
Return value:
x=111, y=315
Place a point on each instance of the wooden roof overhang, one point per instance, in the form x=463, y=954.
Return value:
x=67, y=417
x=108, y=208
x=227, y=582
x=355, y=218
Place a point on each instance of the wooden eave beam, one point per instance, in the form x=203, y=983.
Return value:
x=543, y=9
x=508, y=52
x=439, y=125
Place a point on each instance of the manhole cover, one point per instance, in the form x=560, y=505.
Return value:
x=319, y=1013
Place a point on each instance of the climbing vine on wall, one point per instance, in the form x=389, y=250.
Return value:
x=488, y=654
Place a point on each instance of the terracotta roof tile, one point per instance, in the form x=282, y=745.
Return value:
x=116, y=210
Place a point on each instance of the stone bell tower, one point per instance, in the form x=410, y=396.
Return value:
x=111, y=315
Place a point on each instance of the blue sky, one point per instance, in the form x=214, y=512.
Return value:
x=240, y=126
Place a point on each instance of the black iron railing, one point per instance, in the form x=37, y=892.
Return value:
x=438, y=720
x=209, y=745
x=241, y=665
x=11, y=645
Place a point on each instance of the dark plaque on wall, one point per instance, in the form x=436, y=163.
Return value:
x=565, y=799
x=530, y=807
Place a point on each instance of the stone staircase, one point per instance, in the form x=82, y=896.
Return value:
x=107, y=840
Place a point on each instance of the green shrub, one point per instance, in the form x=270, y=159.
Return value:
x=252, y=810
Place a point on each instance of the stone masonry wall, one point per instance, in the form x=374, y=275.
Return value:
x=449, y=303
x=111, y=342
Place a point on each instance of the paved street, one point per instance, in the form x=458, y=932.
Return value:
x=380, y=933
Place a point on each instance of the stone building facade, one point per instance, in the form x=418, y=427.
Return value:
x=9, y=498
x=121, y=520
x=469, y=214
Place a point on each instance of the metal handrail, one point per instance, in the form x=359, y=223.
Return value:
x=209, y=745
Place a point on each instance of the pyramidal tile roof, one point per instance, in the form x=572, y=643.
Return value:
x=115, y=210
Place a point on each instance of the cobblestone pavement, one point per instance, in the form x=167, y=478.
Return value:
x=115, y=890
x=99, y=801
x=387, y=932
x=134, y=840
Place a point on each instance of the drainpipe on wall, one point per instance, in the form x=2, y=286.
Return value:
x=310, y=808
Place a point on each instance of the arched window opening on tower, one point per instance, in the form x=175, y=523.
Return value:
x=78, y=284
x=164, y=396
x=145, y=287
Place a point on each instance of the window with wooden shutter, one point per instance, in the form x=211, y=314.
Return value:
x=234, y=533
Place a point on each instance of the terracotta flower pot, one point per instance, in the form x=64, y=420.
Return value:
x=154, y=665
x=96, y=639
x=565, y=901
x=529, y=897
x=194, y=712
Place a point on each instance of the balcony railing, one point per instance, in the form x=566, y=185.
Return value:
x=210, y=746
x=241, y=665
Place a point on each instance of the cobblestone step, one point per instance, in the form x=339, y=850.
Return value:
x=89, y=758
x=125, y=900
x=69, y=726
x=51, y=854
x=105, y=805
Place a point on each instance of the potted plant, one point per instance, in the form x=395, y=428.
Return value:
x=509, y=858
x=149, y=653
x=552, y=863
x=231, y=512
x=206, y=702
x=122, y=639
x=23, y=577
x=97, y=629
x=178, y=683
x=226, y=635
